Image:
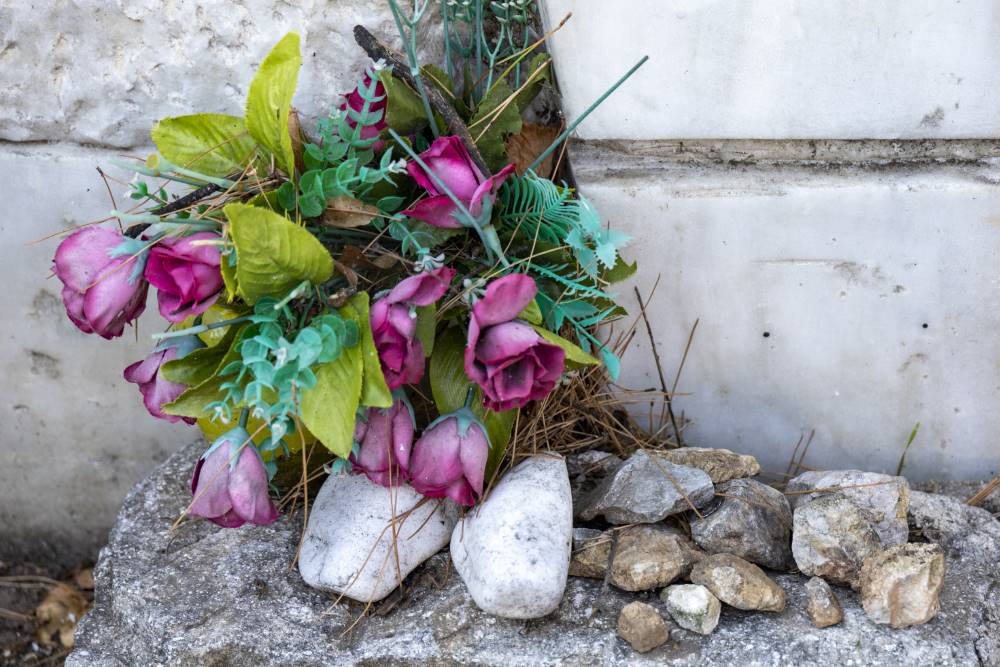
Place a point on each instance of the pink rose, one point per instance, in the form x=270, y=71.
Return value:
x=186, y=275
x=385, y=441
x=449, y=459
x=99, y=291
x=230, y=484
x=155, y=389
x=451, y=163
x=505, y=356
x=394, y=327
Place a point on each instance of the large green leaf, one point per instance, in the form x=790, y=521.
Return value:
x=192, y=402
x=375, y=392
x=537, y=72
x=490, y=125
x=575, y=357
x=273, y=254
x=329, y=408
x=426, y=324
x=404, y=110
x=198, y=365
x=450, y=385
x=209, y=143
x=270, y=99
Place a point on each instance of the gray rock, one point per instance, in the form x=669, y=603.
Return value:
x=366, y=562
x=201, y=595
x=884, y=497
x=693, y=607
x=647, y=557
x=738, y=583
x=513, y=550
x=824, y=608
x=587, y=470
x=831, y=538
x=753, y=522
x=642, y=626
x=645, y=489
x=721, y=465
x=902, y=585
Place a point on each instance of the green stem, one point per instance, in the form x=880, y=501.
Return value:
x=244, y=418
x=201, y=328
x=299, y=289
x=562, y=137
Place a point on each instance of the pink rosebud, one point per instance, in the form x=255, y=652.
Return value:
x=356, y=102
x=186, y=275
x=448, y=159
x=230, y=484
x=99, y=290
x=512, y=363
x=155, y=389
x=394, y=329
x=449, y=459
x=385, y=441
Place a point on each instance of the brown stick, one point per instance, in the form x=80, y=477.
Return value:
x=376, y=50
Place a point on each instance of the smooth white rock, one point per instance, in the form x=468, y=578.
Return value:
x=348, y=545
x=513, y=550
x=693, y=607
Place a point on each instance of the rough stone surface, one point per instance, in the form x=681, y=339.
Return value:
x=886, y=498
x=721, y=465
x=753, y=522
x=831, y=538
x=902, y=585
x=646, y=489
x=823, y=608
x=738, y=583
x=693, y=607
x=365, y=563
x=587, y=470
x=647, y=556
x=513, y=550
x=642, y=627
x=201, y=595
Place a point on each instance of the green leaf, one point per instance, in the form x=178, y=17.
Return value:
x=574, y=355
x=530, y=91
x=209, y=143
x=450, y=385
x=531, y=313
x=329, y=409
x=270, y=99
x=426, y=323
x=404, y=110
x=198, y=365
x=273, y=253
x=620, y=271
x=192, y=402
x=489, y=126
x=374, y=390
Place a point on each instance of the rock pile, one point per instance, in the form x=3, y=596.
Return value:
x=200, y=595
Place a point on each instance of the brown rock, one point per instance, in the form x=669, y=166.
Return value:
x=721, y=465
x=642, y=626
x=832, y=537
x=824, y=608
x=901, y=586
x=738, y=583
x=647, y=557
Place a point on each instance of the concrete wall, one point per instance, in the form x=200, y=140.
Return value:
x=817, y=182
x=81, y=82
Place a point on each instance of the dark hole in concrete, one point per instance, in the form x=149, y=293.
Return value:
x=924, y=325
x=767, y=334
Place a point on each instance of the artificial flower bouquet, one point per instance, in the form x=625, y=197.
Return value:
x=395, y=285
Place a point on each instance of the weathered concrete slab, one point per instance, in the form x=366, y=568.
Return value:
x=210, y=596
x=855, y=300
x=781, y=69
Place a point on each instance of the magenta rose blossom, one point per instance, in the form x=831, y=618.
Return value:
x=230, y=484
x=386, y=438
x=186, y=275
x=356, y=102
x=155, y=389
x=449, y=459
x=449, y=160
x=394, y=327
x=99, y=291
x=512, y=363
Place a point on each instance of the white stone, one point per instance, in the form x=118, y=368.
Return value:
x=102, y=73
x=513, y=550
x=772, y=69
x=350, y=547
x=832, y=537
x=841, y=267
x=693, y=607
